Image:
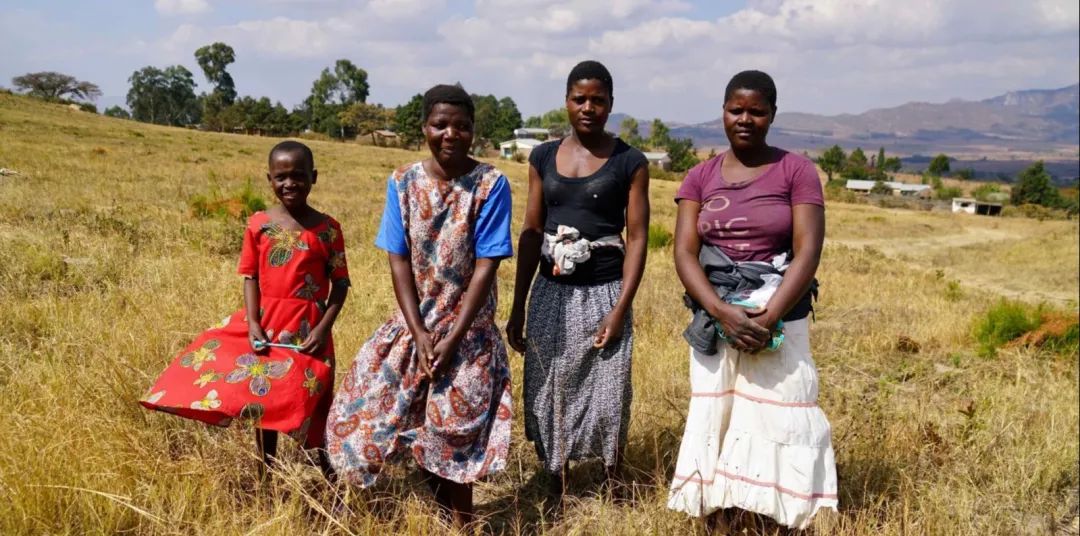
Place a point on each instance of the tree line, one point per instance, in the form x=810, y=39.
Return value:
x=336, y=106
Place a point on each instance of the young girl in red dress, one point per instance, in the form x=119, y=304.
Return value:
x=271, y=364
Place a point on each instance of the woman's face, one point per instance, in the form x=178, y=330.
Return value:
x=747, y=116
x=449, y=133
x=588, y=104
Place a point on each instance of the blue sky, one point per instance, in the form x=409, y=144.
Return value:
x=670, y=58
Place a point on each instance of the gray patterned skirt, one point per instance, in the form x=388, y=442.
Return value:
x=577, y=398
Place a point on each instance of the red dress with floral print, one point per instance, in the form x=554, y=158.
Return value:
x=218, y=378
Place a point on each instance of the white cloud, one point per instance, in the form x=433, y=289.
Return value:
x=828, y=56
x=181, y=7
x=403, y=9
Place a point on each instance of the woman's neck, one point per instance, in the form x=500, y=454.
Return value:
x=597, y=142
x=753, y=157
x=451, y=170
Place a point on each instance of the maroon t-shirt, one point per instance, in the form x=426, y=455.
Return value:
x=751, y=220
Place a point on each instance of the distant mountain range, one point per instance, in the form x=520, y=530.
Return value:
x=1038, y=120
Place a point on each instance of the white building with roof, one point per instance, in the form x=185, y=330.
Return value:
x=973, y=206
x=659, y=159
x=522, y=146
x=532, y=133
x=898, y=188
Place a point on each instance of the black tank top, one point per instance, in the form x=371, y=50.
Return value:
x=595, y=205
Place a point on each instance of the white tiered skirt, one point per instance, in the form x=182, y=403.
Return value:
x=755, y=437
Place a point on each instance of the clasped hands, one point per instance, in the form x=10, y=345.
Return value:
x=747, y=330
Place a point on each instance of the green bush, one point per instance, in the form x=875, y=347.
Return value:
x=239, y=205
x=946, y=193
x=880, y=188
x=836, y=190
x=985, y=190
x=659, y=237
x=1005, y=321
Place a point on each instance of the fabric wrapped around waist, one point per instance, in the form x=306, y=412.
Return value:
x=733, y=282
x=567, y=249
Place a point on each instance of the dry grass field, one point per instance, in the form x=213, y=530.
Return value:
x=105, y=273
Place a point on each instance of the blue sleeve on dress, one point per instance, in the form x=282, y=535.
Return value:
x=493, y=223
x=391, y=235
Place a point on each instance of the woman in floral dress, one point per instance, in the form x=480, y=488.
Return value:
x=433, y=382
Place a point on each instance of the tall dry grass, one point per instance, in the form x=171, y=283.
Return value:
x=105, y=274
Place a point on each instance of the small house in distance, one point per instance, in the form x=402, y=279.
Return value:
x=386, y=138
x=898, y=188
x=541, y=134
x=659, y=159
x=974, y=206
x=522, y=146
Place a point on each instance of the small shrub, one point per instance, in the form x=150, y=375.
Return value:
x=240, y=205
x=835, y=190
x=953, y=290
x=880, y=188
x=946, y=193
x=659, y=237
x=518, y=157
x=1004, y=322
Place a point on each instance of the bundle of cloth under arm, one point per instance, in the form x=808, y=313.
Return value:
x=731, y=280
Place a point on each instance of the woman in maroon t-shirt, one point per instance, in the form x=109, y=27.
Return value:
x=755, y=438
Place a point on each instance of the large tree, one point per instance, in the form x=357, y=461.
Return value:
x=507, y=119
x=629, y=132
x=1034, y=186
x=556, y=120
x=893, y=164
x=213, y=60
x=165, y=97
x=682, y=154
x=345, y=84
x=832, y=161
x=495, y=121
x=333, y=92
x=408, y=121
x=51, y=85
x=659, y=135
x=366, y=118
x=856, y=166
x=939, y=165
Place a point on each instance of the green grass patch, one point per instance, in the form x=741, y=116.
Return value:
x=1003, y=323
x=659, y=237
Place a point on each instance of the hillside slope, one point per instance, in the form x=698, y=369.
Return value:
x=106, y=272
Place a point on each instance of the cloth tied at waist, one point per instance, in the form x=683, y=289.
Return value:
x=746, y=283
x=567, y=249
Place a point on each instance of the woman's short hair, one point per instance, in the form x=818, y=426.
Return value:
x=447, y=94
x=754, y=81
x=590, y=70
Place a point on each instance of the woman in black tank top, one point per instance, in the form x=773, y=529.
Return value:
x=583, y=191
